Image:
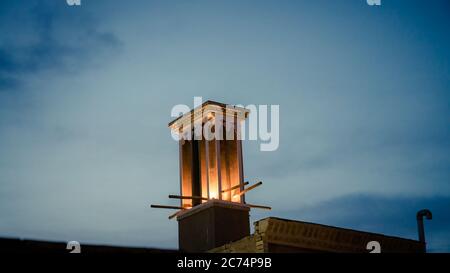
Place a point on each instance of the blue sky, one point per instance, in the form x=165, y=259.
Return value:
x=86, y=94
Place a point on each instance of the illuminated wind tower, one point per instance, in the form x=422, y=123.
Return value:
x=212, y=208
x=211, y=164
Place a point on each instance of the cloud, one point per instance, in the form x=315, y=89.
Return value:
x=49, y=36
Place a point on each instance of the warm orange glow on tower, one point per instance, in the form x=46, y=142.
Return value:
x=211, y=157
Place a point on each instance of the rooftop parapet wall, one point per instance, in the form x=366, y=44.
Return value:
x=281, y=235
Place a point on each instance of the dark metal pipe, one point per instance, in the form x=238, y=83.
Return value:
x=235, y=187
x=259, y=206
x=249, y=189
x=187, y=197
x=165, y=207
x=420, y=214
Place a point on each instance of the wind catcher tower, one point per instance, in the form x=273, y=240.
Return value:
x=212, y=209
